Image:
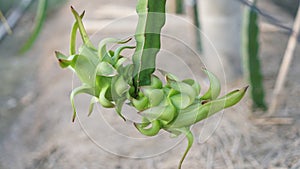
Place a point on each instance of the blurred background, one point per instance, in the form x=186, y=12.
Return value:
x=35, y=113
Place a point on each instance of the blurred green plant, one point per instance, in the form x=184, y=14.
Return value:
x=174, y=106
x=39, y=22
x=251, y=61
x=14, y=12
x=197, y=24
x=179, y=6
x=16, y=9
x=5, y=5
x=193, y=7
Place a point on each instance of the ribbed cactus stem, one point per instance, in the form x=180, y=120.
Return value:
x=151, y=20
x=251, y=61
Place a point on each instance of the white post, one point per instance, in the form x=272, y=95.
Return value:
x=221, y=24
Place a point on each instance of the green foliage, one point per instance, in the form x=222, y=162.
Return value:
x=179, y=6
x=173, y=106
x=39, y=22
x=250, y=48
x=198, y=26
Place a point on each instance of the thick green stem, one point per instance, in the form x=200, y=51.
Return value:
x=251, y=60
x=198, y=27
x=151, y=20
x=190, y=138
x=179, y=6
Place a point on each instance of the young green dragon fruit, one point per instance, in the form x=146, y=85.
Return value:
x=173, y=107
x=96, y=68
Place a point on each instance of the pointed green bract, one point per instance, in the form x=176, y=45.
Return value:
x=140, y=103
x=82, y=30
x=117, y=53
x=92, y=103
x=121, y=86
x=63, y=60
x=214, y=87
x=82, y=89
x=181, y=100
x=196, y=86
x=106, y=69
x=102, y=51
x=164, y=113
x=208, y=109
x=155, y=96
x=152, y=131
x=119, y=104
x=104, y=101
